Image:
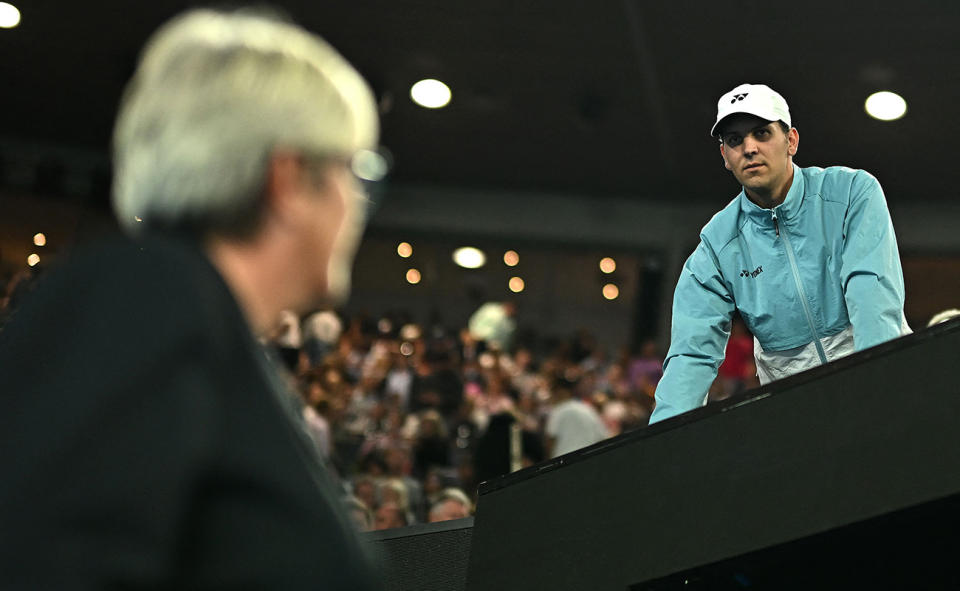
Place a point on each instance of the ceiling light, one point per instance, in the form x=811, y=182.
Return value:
x=39, y=239
x=885, y=106
x=516, y=284
x=430, y=93
x=9, y=16
x=469, y=257
x=608, y=265
x=404, y=249
x=413, y=276
x=33, y=259
x=611, y=291
x=511, y=258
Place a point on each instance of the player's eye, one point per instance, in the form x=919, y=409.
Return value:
x=732, y=140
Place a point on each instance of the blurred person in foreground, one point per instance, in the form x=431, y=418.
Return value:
x=807, y=256
x=179, y=460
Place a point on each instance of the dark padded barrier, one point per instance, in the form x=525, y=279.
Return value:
x=866, y=449
x=430, y=557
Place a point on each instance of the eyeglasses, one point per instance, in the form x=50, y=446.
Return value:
x=371, y=165
x=369, y=168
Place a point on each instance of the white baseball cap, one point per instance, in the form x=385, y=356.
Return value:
x=755, y=99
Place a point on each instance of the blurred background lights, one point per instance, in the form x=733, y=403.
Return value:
x=406, y=349
x=413, y=276
x=516, y=284
x=511, y=258
x=611, y=291
x=885, y=106
x=33, y=259
x=404, y=249
x=469, y=257
x=430, y=93
x=608, y=265
x=9, y=16
x=39, y=239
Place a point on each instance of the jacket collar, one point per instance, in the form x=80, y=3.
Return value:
x=786, y=210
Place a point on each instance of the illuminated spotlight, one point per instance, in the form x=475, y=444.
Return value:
x=608, y=265
x=430, y=93
x=611, y=291
x=406, y=349
x=885, y=106
x=413, y=276
x=404, y=249
x=138, y=218
x=516, y=284
x=511, y=258
x=39, y=239
x=469, y=257
x=9, y=16
x=33, y=259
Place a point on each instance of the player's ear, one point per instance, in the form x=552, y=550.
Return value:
x=793, y=141
x=726, y=163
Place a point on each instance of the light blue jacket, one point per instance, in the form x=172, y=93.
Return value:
x=823, y=260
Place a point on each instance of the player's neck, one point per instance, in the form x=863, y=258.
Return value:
x=768, y=199
x=249, y=279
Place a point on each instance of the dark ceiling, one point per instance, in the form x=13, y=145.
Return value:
x=595, y=98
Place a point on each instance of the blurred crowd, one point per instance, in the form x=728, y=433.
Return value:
x=412, y=418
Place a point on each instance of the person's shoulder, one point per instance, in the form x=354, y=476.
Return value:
x=123, y=287
x=723, y=226
x=837, y=183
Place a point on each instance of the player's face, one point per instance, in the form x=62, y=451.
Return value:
x=758, y=153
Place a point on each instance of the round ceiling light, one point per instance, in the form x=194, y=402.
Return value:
x=430, y=93
x=469, y=257
x=9, y=16
x=885, y=106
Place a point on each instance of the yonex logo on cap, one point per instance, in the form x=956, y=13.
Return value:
x=739, y=97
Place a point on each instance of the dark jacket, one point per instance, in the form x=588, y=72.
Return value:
x=146, y=441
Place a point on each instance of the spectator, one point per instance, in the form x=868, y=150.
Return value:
x=361, y=515
x=572, y=424
x=452, y=504
x=432, y=446
x=390, y=516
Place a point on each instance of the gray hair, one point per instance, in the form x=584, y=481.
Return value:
x=943, y=316
x=214, y=94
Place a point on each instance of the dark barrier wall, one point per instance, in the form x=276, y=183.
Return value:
x=864, y=437
x=430, y=557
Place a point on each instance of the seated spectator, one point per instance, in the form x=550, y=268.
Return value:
x=389, y=516
x=394, y=491
x=943, y=316
x=361, y=515
x=432, y=447
x=572, y=423
x=365, y=489
x=452, y=504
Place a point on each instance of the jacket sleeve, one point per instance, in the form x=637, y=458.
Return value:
x=870, y=272
x=702, y=311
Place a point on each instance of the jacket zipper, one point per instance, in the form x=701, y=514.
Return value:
x=803, y=296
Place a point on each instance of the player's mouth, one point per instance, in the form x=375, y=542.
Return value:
x=753, y=166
